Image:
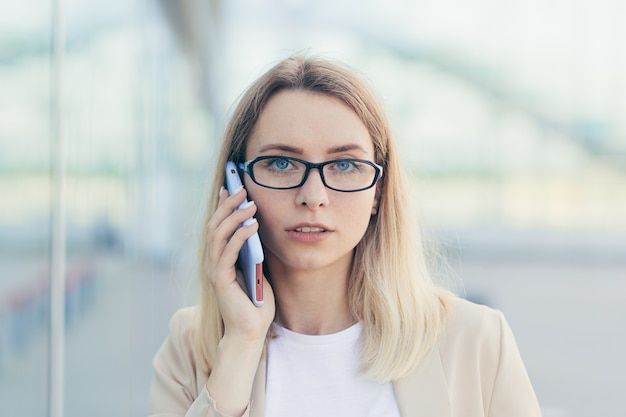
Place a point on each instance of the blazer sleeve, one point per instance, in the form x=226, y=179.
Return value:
x=512, y=394
x=178, y=386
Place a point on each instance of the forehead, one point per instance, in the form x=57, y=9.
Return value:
x=312, y=123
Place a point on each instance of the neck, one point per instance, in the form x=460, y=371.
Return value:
x=312, y=302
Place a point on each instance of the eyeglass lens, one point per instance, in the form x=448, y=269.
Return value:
x=342, y=174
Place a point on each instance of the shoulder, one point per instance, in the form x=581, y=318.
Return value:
x=474, y=335
x=468, y=320
x=176, y=353
x=476, y=343
x=176, y=377
x=177, y=381
x=181, y=322
x=479, y=356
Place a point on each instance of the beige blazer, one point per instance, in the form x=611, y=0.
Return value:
x=475, y=370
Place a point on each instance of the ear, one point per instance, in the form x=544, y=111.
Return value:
x=376, y=199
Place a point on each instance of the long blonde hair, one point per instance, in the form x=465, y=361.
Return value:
x=390, y=290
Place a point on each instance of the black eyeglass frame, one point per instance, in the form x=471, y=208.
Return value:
x=247, y=168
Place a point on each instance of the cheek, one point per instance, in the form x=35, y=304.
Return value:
x=361, y=201
x=358, y=211
x=269, y=214
x=256, y=193
x=269, y=206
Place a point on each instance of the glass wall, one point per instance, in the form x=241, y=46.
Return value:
x=24, y=210
x=137, y=140
x=509, y=115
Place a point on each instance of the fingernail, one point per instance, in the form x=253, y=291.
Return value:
x=236, y=190
x=246, y=205
x=221, y=191
x=249, y=221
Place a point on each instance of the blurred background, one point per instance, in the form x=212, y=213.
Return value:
x=510, y=114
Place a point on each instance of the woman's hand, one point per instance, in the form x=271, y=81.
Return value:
x=242, y=319
x=245, y=325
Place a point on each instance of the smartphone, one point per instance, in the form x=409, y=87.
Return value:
x=251, y=253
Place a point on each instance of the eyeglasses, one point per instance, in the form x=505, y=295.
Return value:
x=283, y=173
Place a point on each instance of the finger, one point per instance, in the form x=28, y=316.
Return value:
x=225, y=265
x=223, y=253
x=235, y=243
x=229, y=225
x=222, y=195
x=226, y=205
x=222, y=226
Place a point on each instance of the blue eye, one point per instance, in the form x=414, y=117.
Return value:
x=280, y=164
x=345, y=165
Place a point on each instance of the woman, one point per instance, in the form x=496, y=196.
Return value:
x=351, y=325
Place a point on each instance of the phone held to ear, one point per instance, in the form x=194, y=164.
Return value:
x=251, y=253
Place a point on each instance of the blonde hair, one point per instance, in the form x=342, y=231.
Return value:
x=390, y=290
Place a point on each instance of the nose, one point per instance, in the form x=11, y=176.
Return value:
x=313, y=193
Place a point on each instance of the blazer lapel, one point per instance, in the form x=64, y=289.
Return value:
x=424, y=391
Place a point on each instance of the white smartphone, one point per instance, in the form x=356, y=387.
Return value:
x=251, y=253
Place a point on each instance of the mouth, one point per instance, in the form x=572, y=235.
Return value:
x=310, y=233
x=309, y=229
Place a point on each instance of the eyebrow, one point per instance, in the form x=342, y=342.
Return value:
x=300, y=151
x=346, y=148
x=281, y=147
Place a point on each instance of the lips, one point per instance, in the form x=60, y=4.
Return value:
x=309, y=233
x=309, y=229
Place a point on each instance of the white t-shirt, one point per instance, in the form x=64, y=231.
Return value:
x=319, y=376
